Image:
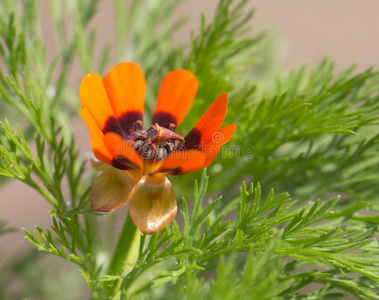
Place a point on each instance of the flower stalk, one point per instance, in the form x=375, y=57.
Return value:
x=127, y=249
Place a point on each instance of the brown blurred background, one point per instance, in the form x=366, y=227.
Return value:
x=307, y=31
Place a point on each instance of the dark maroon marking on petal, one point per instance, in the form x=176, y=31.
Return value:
x=192, y=140
x=127, y=121
x=125, y=161
x=112, y=125
x=176, y=171
x=123, y=126
x=119, y=166
x=164, y=119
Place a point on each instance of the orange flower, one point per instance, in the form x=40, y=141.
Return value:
x=112, y=109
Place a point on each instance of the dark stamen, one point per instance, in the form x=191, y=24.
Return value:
x=172, y=127
x=161, y=153
x=137, y=124
x=138, y=144
x=157, y=142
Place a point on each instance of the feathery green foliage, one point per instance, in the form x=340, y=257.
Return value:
x=313, y=137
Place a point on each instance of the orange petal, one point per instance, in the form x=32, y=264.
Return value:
x=218, y=140
x=177, y=91
x=94, y=98
x=182, y=162
x=208, y=124
x=125, y=86
x=112, y=189
x=121, y=151
x=97, y=138
x=153, y=204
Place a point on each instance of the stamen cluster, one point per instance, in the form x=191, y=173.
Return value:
x=157, y=142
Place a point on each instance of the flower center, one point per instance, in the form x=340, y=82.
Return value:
x=157, y=142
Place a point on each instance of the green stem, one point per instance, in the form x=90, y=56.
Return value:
x=127, y=249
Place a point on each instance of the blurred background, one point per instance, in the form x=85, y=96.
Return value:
x=303, y=32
